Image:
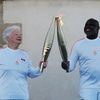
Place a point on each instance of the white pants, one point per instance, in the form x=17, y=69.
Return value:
x=90, y=94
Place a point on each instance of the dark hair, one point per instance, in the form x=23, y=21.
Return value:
x=92, y=20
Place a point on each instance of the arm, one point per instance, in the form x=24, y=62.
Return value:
x=33, y=72
x=70, y=64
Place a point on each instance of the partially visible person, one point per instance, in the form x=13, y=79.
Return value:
x=15, y=67
x=87, y=53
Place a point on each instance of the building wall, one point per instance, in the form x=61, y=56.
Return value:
x=35, y=17
x=1, y=21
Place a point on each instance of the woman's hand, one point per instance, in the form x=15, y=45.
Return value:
x=44, y=64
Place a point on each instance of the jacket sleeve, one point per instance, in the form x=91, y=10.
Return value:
x=73, y=58
x=33, y=71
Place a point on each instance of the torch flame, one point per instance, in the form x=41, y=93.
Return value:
x=60, y=20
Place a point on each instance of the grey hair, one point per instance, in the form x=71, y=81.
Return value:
x=6, y=33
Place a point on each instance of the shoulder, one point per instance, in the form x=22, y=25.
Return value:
x=79, y=42
x=23, y=52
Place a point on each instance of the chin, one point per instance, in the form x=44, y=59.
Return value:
x=19, y=42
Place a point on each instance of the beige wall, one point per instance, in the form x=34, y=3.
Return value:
x=1, y=21
x=2, y=25
x=35, y=17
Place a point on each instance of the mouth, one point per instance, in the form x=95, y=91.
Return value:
x=88, y=29
x=19, y=39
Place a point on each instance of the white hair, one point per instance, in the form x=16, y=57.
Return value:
x=6, y=33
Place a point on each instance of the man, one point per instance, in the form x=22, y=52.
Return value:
x=15, y=67
x=87, y=53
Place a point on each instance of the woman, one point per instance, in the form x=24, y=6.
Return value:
x=15, y=67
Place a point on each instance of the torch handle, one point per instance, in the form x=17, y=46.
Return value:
x=41, y=67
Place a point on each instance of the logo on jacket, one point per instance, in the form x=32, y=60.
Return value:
x=20, y=60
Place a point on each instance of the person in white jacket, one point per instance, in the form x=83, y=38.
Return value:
x=15, y=67
x=87, y=52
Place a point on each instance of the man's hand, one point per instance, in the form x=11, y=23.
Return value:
x=65, y=65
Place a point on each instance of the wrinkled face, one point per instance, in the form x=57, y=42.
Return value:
x=91, y=29
x=15, y=37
